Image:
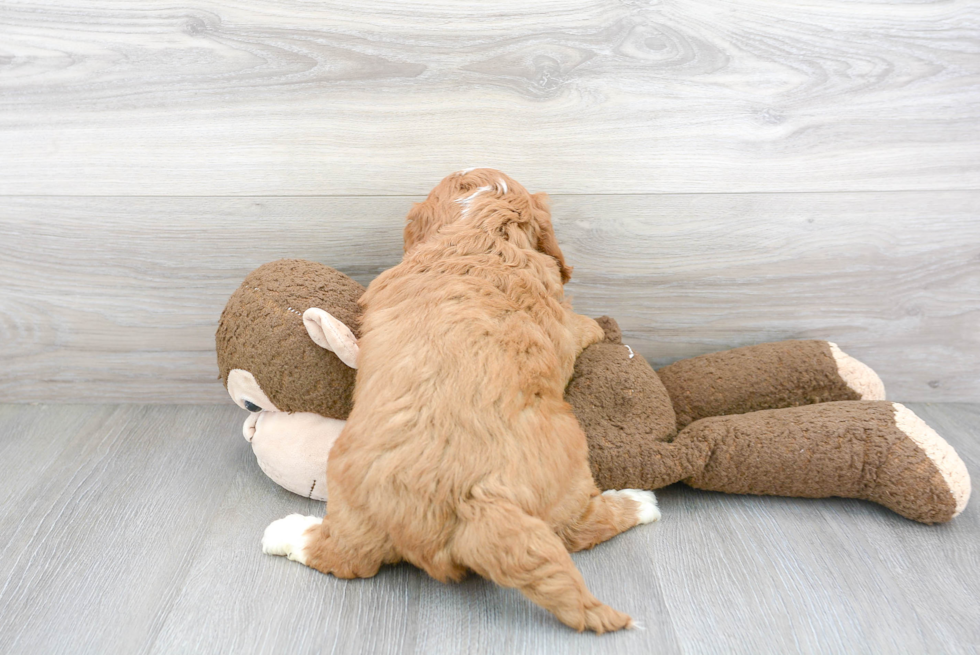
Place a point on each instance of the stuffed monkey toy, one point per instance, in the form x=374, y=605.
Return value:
x=290, y=363
x=793, y=418
x=781, y=418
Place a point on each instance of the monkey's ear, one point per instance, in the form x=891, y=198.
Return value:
x=330, y=333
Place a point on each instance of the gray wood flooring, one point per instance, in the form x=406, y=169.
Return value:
x=135, y=529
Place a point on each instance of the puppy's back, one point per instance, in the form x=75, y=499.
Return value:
x=459, y=388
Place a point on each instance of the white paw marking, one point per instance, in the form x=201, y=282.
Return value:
x=648, y=512
x=286, y=537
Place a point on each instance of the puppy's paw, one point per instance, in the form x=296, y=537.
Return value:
x=593, y=332
x=602, y=618
x=648, y=512
x=287, y=537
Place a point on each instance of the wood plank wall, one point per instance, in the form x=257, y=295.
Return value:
x=722, y=173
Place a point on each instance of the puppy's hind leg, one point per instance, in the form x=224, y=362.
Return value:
x=606, y=515
x=499, y=541
x=322, y=545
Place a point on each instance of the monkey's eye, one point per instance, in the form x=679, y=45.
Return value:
x=252, y=407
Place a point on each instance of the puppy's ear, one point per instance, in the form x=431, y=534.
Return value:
x=547, y=242
x=417, y=223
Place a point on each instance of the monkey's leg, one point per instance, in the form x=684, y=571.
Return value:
x=499, y=541
x=606, y=515
x=766, y=376
x=877, y=451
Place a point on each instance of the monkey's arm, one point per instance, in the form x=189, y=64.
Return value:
x=647, y=463
x=766, y=376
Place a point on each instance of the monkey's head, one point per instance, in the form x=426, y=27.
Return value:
x=287, y=353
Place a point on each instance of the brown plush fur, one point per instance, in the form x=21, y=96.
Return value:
x=849, y=449
x=460, y=453
x=751, y=378
x=624, y=411
x=261, y=331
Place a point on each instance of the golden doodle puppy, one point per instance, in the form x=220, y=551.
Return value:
x=460, y=453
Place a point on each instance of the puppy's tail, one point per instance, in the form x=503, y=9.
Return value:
x=499, y=541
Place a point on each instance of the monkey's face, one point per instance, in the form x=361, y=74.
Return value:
x=323, y=330
x=247, y=394
x=292, y=448
x=268, y=349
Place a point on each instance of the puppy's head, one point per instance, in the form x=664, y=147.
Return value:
x=492, y=200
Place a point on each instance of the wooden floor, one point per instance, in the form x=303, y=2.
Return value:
x=135, y=529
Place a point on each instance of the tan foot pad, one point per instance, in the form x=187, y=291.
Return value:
x=858, y=376
x=942, y=455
